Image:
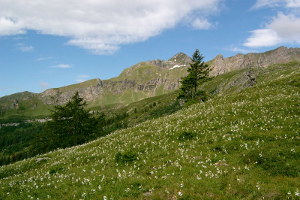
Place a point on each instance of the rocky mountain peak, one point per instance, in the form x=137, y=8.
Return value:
x=181, y=58
x=219, y=57
x=178, y=60
x=281, y=48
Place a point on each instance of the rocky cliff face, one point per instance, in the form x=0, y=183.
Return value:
x=221, y=65
x=88, y=90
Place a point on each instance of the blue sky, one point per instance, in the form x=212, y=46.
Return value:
x=47, y=44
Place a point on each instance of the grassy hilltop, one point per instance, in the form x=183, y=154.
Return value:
x=242, y=144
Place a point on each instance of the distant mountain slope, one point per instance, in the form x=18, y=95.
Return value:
x=140, y=81
x=221, y=65
x=143, y=80
x=241, y=145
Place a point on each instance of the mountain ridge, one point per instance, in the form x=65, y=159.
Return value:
x=146, y=79
x=221, y=65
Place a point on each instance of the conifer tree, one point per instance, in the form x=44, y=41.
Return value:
x=72, y=121
x=197, y=74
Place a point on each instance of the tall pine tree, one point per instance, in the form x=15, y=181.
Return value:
x=197, y=74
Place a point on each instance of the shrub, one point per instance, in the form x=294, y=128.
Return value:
x=126, y=157
x=186, y=136
x=56, y=169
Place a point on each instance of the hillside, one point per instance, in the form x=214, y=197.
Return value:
x=140, y=81
x=243, y=144
x=143, y=80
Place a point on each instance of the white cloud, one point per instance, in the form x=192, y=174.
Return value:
x=282, y=29
x=293, y=3
x=277, y=3
x=62, y=66
x=9, y=26
x=262, y=38
x=287, y=27
x=82, y=78
x=201, y=24
x=101, y=26
x=24, y=48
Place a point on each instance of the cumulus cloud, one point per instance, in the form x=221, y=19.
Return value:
x=287, y=27
x=262, y=38
x=101, y=26
x=9, y=26
x=62, y=66
x=201, y=24
x=282, y=29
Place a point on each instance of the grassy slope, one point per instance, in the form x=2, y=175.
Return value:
x=77, y=86
x=241, y=146
x=141, y=74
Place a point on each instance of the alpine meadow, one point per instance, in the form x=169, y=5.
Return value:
x=240, y=143
x=150, y=100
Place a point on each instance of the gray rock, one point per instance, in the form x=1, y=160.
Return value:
x=220, y=65
x=41, y=159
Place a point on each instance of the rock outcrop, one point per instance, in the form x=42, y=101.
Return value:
x=89, y=90
x=221, y=65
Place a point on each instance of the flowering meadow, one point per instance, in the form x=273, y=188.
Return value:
x=242, y=145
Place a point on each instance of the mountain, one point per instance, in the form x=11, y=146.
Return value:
x=221, y=65
x=143, y=80
x=140, y=81
x=239, y=145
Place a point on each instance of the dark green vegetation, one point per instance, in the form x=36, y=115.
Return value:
x=73, y=120
x=197, y=75
x=243, y=143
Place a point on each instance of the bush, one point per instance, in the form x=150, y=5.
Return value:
x=126, y=158
x=186, y=136
x=56, y=169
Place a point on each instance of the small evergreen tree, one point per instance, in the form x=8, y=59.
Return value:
x=197, y=74
x=71, y=123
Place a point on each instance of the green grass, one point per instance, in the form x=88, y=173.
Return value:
x=243, y=145
x=77, y=86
